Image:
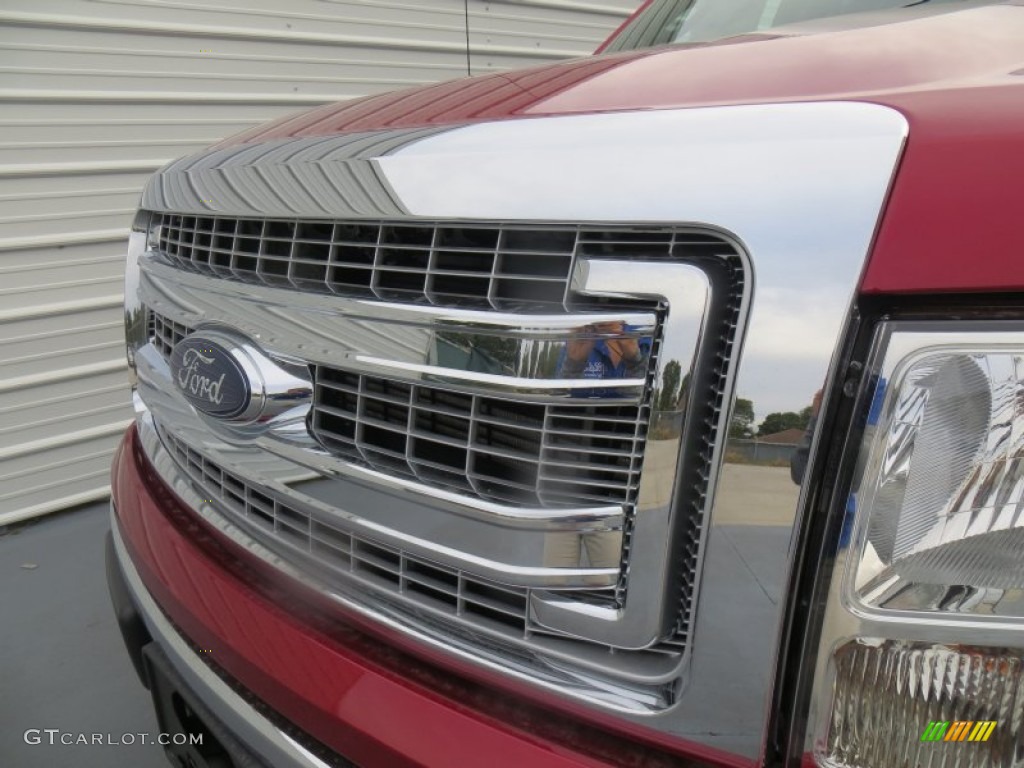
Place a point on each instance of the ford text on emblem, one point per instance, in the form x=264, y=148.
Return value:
x=226, y=376
x=210, y=377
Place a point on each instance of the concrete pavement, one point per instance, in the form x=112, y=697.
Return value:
x=62, y=662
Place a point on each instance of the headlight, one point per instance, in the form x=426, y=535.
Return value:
x=921, y=658
x=942, y=490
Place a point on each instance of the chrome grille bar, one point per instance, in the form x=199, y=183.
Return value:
x=467, y=349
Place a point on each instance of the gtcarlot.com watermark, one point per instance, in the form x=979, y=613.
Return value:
x=55, y=736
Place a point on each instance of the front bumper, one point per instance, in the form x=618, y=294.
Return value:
x=238, y=728
x=270, y=678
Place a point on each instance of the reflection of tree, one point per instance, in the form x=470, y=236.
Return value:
x=667, y=419
x=135, y=326
x=470, y=352
x=135, y=321
x=497, y=347
x=781, y=421
x=670, y=380
x=742, y=424
x=549, y=359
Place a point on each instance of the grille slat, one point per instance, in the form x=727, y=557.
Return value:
x=165, y=333
x=466, y=265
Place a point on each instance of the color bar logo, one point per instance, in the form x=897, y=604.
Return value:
x=959, y=730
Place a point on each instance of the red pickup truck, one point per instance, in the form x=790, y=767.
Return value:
x=446, y=400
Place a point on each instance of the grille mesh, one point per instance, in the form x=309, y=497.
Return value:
x=478, y=602
x=458, y=265
x=506, y=267
x=696, y=465
x=499, y=449
x=165, y=333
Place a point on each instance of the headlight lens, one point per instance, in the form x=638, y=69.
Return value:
x=943, y=490
x=923, y=629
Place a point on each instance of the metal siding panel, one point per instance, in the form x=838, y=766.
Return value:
x=97, y=94
x=500, y=29
x=26, y=346
x=44, y=481
x=43, y=412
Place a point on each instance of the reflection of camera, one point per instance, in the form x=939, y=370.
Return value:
x=605, y=350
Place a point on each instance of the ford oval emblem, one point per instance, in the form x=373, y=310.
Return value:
x=210, y=377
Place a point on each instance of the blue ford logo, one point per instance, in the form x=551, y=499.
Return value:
x=210, y=377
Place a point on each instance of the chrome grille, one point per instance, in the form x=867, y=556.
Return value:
x=500, y=609
x=496, y=448
x=489, y=266
x=503, y=447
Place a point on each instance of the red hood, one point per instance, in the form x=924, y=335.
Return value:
x=970, y=48
x=951, y=222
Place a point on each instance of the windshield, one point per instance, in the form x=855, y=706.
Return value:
x=700, y=21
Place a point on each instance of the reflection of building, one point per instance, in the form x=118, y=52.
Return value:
x=790, y=436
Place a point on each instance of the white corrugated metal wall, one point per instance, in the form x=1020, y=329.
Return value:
x=97, y=94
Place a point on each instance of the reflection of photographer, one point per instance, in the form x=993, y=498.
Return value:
x=562, y=549
x=607, y=358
